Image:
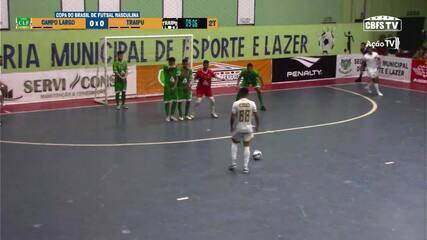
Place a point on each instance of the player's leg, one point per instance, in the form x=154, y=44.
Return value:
x=172, y=110
x=124, y=94
x=124, y=100
x=199, y=94
x=259, y=96
x=167, y=103
x=375, y=80
x=209, y=94
x=234, y=148
x=246, y=151
x=118, y=87
x=212, y=107
x=187, y=109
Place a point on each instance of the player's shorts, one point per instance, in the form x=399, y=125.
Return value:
x=240, y=136
x=204, y=91
x=169, y=95
x=372, y=73
x=184, y=94
x=247, y=84
x=120, y=85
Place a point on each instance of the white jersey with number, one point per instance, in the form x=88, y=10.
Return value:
x=244, y=109
x=372, y=64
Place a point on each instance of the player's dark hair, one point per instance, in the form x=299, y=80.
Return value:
x=249, y=65
x=205, y=61
x=171, y=59
x=185, y=60
x=243, y=92
x=120, y=53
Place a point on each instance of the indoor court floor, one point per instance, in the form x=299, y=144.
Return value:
x=338, y=164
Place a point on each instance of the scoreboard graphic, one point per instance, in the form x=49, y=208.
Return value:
x=112, y=20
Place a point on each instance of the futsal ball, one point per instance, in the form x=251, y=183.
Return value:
x=257, y=155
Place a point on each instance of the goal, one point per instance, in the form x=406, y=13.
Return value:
x=139, y=51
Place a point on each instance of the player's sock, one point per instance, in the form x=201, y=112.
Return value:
x=180, y=109
x=246, y=154
x=167, y=108
x=187, y=108
x=234, y=148
x=173, y=108
x=123, y=98
x=212, y=104
x=377, y=88
x=260, y=98
x=117, y=98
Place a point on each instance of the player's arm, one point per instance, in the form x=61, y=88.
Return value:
x=233, y=117
x=190, y=79
x=115, y=69
x=238, y=80
x=126, y=72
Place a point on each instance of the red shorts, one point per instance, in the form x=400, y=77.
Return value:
x=204, y=91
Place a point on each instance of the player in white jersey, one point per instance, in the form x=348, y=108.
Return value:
x=242, y=113
x=372, y=62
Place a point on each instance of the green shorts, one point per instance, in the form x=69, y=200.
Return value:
x=120, y=85
x=169, y=95
x=184, y=94
x=247, y=84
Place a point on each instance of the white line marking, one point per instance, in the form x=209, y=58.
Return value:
x=371, y=111
x=182, y=198
x=161, y=100
x=389, y=163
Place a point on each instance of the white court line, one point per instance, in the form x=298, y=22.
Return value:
x=374, y=107
x=161, y=100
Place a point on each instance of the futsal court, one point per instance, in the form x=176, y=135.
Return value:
x=337, y=163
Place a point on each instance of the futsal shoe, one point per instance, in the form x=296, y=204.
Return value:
x=380, y=94
x=188, y=118
x=368, y=89
x=232, y=167
x=118, y=107
x=246, y=170
x=180, y=118
x=214, y=115
x=173, y=118
x=263, y=108
x=125, y=106
x=168, y=119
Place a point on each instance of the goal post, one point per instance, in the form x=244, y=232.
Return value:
x=144, y=50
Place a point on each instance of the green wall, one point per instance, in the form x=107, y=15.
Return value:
x=268, y=12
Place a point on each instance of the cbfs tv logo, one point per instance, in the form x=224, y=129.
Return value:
x=382, y=24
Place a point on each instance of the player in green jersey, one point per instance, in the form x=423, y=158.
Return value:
x=250, y=77
x=120, y=69
x=184, y=89
x=171, y=75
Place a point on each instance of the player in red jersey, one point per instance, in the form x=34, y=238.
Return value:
x=204, y=77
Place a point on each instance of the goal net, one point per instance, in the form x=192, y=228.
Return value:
x=150, y=51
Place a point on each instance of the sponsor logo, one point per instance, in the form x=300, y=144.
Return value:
x=307, y=61
x=327, y=40
x=392, y=43
x=304, y=68
x=345, y=65
x=382, y=23
x=170, y=23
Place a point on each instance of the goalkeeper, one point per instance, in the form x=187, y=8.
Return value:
x=250, y=77
x=120, y=69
